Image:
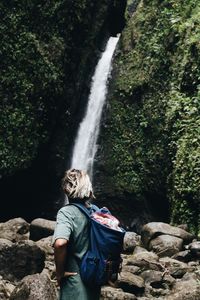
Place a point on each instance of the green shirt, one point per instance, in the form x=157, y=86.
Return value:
x=72, y=225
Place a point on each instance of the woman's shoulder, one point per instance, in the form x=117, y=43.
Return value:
x=70, y=209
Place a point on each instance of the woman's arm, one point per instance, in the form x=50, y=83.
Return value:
x=60, y=255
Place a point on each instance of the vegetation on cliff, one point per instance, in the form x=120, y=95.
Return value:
x=153, y=123
x=46, y=49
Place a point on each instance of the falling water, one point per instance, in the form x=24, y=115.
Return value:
x=86, y=141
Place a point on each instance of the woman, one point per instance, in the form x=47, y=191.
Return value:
x=71, y=238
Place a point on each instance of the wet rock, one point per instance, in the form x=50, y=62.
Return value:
x=110, y=293
x=35, y=287
x=20, y=259
x=131, y=240
x=166, y=245
x=175, y=268
x=14, y=230
x=41, y=228
x=130, y=283
x=154, y=229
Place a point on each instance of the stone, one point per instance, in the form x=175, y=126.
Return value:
x=185, y=290
x=20, y=259
x=35, y=287
x=110, y=293
x=154, y=229
x=166, y=245
x=174, y=267
x=145, y=260
x=157, y=279
x=6, y=289
x=131, y=269
x=46, y=245
x=130, y=283
x=41, y=228
x=131, y=240
x=194, y=249
x=184, y=227
x=184, y=256
x=14, y=230
x=139, y=249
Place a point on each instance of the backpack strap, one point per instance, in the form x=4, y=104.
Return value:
x=84, y=209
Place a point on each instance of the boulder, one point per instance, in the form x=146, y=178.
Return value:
x=130, y=283
x=14, y=230
x=46, y=245
x=185, y=290
x=154, y=229
x=131, y=269
x=110, y=293
x=175, y=268
x=184, y=256
x=41, y=228
x=139, y=249
x=131, y=240
x=157, y=279
x=194, y=249
x=145, y=260
x=35, y=287
x=6, y=289
x=166, y=245
x=20, y=259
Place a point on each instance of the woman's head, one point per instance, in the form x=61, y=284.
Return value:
x=77, y=184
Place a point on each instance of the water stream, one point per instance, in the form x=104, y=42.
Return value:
x=85, y=146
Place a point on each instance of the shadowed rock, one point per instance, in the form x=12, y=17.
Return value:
x=130, y=283
x=41, y=228
x=20, y=259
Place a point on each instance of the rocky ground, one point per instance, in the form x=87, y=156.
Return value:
x=162, y=263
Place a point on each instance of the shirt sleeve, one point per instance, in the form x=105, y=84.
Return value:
x=64, y=224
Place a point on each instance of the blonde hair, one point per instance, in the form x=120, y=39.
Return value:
x=77, y=184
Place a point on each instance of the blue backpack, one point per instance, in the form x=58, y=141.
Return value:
x=102, y=262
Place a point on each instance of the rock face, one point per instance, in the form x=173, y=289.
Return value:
x=27, y=268
x=146, y=148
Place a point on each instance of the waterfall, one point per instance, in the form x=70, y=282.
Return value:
x=85, y=145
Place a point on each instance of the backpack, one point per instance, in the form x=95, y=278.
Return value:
x=102, y=262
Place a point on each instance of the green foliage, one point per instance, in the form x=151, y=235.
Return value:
x=44, y=50
x=183, y=116
x=154, y=133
